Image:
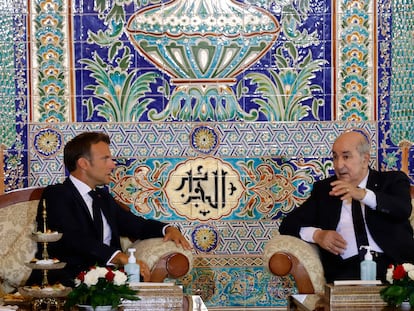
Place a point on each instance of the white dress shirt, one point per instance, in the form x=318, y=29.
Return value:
x=345, y=225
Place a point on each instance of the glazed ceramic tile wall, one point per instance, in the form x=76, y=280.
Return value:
x=221, y=112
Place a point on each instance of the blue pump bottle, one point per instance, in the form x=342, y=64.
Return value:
x=132, y=269
x=368, y=266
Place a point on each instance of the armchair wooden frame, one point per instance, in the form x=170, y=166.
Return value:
x=20, y=196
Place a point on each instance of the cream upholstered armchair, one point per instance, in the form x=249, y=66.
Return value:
x=285, y=255
x=17, y=222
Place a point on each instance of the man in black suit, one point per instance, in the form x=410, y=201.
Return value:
x=326, y=217
x=70, y=210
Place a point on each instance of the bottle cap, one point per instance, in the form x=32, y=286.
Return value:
x=131, y=258
x=368, y=255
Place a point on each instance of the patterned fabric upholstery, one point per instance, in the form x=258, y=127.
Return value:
x=17, y=222
x=305, y=252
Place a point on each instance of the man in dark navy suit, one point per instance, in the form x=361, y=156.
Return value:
x=327, y=217
x=91, y=222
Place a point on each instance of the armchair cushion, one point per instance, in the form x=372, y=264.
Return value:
x=17, y=223
x=285, y=254
x=164, y=259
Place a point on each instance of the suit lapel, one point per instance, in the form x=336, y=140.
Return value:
x=104, y=205
x=107, y=210
x=334, y=204
x=373, y=181
x=337, y=205
x=78, y=198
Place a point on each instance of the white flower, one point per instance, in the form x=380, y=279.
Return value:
x=408, y=267
x=77, y=282
x=101, y=284
x=92, y=277
x=411, y=274
x=120, y=278
x=102, y=271
x=388, y=276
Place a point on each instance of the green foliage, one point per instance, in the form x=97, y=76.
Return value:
x=286, y=89
x=401, y=288
x=101, y=294
x=121, y=94
x=395, y=295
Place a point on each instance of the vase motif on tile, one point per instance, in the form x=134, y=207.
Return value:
x=203, y=45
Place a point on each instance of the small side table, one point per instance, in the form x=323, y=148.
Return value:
x=310, y=302
x=313, y=302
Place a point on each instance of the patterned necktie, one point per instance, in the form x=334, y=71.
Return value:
x=359, y=227
x=96, y=211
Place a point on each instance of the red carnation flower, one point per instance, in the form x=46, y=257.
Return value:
x=110, y=275
x=81, y=276
x=399, y=272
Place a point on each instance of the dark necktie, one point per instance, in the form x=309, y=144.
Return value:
x=359, y=227
x=96, y=211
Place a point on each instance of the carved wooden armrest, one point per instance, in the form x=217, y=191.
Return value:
x=285, y=254
x=164, y=259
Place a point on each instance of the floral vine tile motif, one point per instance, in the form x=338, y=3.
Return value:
x=203, y=284
x=401, y=111
x=356, y=53
x=7, y=83
x=141, y=188
x=51, y=58
x=13, y=96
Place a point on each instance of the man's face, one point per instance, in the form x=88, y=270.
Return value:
x=100, y=165
x=349, y=164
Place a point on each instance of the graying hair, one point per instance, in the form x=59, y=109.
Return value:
x=364, y=146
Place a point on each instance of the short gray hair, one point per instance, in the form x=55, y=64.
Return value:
x=364, y=146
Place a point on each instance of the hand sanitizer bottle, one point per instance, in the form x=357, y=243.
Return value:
x=132, y=269
x=368, y=266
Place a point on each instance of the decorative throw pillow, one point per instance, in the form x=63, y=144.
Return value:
x=17, y=222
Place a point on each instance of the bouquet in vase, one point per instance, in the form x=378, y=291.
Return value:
x=100, y=286
x=401, y=288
